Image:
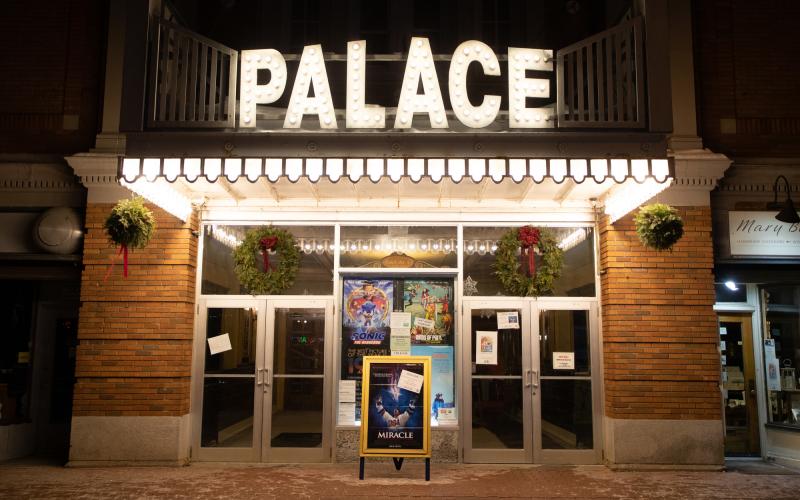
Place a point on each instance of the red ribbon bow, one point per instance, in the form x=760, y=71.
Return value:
x=266, y=244
x=528, y=238
x=123, y=249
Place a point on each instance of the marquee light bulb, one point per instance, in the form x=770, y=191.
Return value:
x=249, y=83
x=521, y=87
x=411, y=102
x=469, y=115
x=319, y=105
x=356, y=92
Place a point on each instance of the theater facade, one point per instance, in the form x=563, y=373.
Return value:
x=401, y=179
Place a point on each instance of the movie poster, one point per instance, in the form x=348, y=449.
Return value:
x=366, y=310
x=395, y=406
x=442, y=377
x=430, y=302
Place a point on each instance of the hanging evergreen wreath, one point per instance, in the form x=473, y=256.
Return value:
x=659, y=226
x=273, y=279
x=523, y=278
x=130, y=225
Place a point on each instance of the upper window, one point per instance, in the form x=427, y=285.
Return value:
x=417, y=247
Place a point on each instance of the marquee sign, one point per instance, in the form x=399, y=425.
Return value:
x=759, y=234
x=310, y=95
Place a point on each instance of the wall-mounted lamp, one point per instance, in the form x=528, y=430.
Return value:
x=787, y=212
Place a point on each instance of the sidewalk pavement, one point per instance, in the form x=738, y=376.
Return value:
x=231, y=481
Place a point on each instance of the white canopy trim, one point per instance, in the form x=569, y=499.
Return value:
x=396, y=169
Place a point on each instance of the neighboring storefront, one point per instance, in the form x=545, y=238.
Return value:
x=400, y=235
x=758, y=305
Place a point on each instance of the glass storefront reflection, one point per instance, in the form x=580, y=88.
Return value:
x=239, y=324
x=566, y=414
x=497, y=414
x=227, y=412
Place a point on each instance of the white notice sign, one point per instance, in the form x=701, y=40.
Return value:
x=485, y=348
x=410, y=381
x=400, y=342
x=347, y=391
x=220, y=343
x=563, y=360
x=507, y=319
x=347, y=413
x=759, y=234
x=400, y=320
x=773, y=368
x=424, y=323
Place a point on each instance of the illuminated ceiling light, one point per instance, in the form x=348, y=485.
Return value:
x=473, y=116
x=317, y=81
x=430, y=101
x=572, y=239
x=558, y=170
x=517, y=169
x=456, y=169
x=619, y=169
x=394, y=167
x=731, y=286
x=191, y=168
x=639, y=170
x=416, y=168
x=626, y=198
x=294, y=169
x=477, y=169
x=274, y=169
x=260, y=94
x=162, y=194
x=334, y=168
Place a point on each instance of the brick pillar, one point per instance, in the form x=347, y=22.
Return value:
x=661, y=363
x=133, y=366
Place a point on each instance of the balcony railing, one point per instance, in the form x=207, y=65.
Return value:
x=192, y=80
x=601, y=80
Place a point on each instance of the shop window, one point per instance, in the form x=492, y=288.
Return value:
x=782, y=353
x=315, y=276
x=372, y=312
x=577, y=274
x=416, y=247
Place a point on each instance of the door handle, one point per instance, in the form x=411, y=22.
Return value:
x=528, y=378
x=266, y=379
x=259, y=376
x=535, y=379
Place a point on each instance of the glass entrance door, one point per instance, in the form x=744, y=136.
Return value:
x=739, y=395
x=262, y=390
x=499, y=380
x=226, y=404
x=294, y=383
x=529, y=368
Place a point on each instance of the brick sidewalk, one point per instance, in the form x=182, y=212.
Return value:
x=21, y=480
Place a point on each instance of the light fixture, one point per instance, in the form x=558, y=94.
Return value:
x=731, y=285
x=787, y=212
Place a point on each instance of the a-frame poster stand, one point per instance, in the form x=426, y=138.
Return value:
x=395, y=410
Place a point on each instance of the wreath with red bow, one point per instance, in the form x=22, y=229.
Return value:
x=515, y=261
x=261, y=244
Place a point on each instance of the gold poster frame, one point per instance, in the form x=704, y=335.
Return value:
x=425, y=451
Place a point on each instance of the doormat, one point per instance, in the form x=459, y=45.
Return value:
x=297, y=440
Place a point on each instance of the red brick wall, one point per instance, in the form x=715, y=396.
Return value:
x=659, y=328
x=135, y=334
x=747, y=59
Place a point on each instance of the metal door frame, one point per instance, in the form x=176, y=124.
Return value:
x=260, y=450
x=531, y=370
x=199, y=453
x=267, y=374
x=529, y=399
x=574, y=457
